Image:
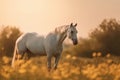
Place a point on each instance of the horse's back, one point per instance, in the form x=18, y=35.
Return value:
x=23, y=38
x=30, y=41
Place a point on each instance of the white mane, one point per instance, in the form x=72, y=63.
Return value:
x=61, y=29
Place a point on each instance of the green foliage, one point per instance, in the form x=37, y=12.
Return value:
x=8, y=36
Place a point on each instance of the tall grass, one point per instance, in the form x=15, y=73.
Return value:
x=69, y=68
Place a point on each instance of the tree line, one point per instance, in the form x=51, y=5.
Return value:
x=8, y=36
x=105, y=38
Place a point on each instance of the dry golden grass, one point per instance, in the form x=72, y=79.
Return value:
x=69, y=68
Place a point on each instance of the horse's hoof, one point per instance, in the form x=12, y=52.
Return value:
x=55, y=68
x=49, y=69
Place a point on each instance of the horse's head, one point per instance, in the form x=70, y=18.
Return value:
x=72, y=33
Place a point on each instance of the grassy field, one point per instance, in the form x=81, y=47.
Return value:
x=69, y=68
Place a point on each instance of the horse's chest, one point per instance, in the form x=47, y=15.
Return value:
x=56, y=49
x=52, y=46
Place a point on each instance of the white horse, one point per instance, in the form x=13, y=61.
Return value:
x=49, y=45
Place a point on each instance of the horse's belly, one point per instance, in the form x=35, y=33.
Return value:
x=37, y=50
x=36, y=46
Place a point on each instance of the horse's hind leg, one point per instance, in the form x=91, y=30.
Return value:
x=20, y=58
x=26, y=56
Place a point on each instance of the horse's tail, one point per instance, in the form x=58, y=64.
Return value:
x=14, y=56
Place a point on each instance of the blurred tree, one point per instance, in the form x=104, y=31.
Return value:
x=8, y=36
x=108, y=35
x=86, y=47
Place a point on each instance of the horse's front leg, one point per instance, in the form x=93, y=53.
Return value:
x=56, y=61
x=49, y=62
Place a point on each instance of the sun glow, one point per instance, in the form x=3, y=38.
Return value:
x=44, y=15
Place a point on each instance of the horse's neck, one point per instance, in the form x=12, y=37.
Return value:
x=61, y=38
x=62, y=35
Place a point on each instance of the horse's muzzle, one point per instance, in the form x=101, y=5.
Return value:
x=75, y=41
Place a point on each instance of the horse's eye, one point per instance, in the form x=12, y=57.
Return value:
x=71, y=32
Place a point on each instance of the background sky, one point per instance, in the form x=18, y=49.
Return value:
x=44, y=15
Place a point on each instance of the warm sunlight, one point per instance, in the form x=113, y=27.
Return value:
x=88, y=49
x=44, y=15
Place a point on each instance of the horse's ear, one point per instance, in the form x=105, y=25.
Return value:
x=71, y=24
x=75, y=25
